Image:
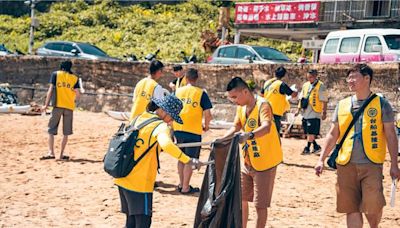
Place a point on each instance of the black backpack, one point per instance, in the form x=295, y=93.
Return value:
x=119, y=159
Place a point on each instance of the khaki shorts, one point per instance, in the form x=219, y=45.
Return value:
x=55, y=120
x=257, y=186
x=359, y=188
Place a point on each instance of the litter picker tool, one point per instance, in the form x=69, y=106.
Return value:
x=393, y=192
x=209, y=162
x=290, y=125
x=182, y=145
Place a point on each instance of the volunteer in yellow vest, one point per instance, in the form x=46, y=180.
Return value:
x=136, y=189
x=316, y=93
x=147, y=88
x=275, y=91
x=63, y=91
x=359, y=163
x=261, y=149
x=179, y=80
x=196, y=106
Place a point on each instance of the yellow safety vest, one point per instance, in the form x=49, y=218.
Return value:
x=142, y=96
x=264, y=152
x=180, y=82
x=313, y=100
x=278, y=101
x=373, y=136
x=65, y=92
x=143, y=175
x=192, y=112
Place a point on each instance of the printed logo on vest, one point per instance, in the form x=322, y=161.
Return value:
x=372, y=112
x=137, y=142
x=252, y=123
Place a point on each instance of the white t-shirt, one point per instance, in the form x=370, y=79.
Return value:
x=160, y=92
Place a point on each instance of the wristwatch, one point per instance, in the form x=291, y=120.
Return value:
x=251, y=135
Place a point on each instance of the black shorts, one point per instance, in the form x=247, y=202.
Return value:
x=135, y=203
x=185, y=137
x=311, y=126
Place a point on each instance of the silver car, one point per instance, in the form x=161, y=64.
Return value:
x=73, y=50
x=240, y=53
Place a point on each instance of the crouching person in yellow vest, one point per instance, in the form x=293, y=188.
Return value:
x=261, y=149
x=196, y=106
x=147, y=88
x=136, y=189
x=315, y=94
x=275, y=91
x=359, y=163
x=64, y=87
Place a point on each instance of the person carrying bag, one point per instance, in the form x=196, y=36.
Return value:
x=305, y=100
x=332, y=159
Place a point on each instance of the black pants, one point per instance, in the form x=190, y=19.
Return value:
x=138, y=221
x=278, y=123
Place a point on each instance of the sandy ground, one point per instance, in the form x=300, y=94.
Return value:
x=78, y=193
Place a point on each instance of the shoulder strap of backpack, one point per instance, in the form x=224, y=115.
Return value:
x=355, y=118
x=146, y=122
x=149, y=148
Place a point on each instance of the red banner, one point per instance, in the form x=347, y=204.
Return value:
x=277, y=12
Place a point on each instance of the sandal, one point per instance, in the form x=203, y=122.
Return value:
x=64, y=157
x=47, y=157
x=191, y=190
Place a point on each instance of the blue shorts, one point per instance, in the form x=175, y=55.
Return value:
x=186, y=137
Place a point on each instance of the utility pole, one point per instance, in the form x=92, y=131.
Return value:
x=31, y=3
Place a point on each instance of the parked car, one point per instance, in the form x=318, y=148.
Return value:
x=73, y=50
x=361, y=45
x=4, y=51
x=240, y=53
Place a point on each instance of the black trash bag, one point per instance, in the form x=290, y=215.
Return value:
x=220, y=203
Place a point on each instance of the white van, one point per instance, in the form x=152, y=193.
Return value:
x=361, y=45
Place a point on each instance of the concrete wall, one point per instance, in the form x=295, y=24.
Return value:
x=109, y=85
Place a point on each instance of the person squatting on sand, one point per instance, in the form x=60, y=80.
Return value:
x=261, y=149
x=196, y=106
x=359, y=186
x=313, y=102
x=64, y=87
x=147, y=88
x=136, y=189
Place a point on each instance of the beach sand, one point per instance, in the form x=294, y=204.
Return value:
x=78, y=193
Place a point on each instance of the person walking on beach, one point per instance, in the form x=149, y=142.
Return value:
x=359, y=187
x=313, y=102
x=64, y=86
x=196, y=106
x=261, y=149
x=147, y=88
x=136, y=189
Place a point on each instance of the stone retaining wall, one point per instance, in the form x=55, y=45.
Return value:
x=109, y=85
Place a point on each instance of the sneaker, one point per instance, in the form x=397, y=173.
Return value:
x=317, y=149
x=306, y=151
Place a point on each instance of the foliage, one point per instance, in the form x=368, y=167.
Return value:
x=119, y=30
